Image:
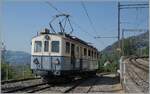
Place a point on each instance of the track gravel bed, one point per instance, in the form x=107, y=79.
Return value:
x=107, y=84
x=142, y=61
x=136, y=78
x=86, y=86
x=98, y=83
x=62, y=87
x=14, y=86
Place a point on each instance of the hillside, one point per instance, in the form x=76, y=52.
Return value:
x=17, y=57
x=140, y=41
x=135, y=45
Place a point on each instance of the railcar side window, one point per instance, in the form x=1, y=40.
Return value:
x=37, y=46
x=89, y=53
x=92, y=53
x=67, y=47
x=46, y=46
x=77, y=49
x=85, y=51
x=55, y=46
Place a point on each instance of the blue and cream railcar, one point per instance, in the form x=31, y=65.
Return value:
x=56, y=54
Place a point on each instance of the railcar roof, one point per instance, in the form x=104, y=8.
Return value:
x=68, y=36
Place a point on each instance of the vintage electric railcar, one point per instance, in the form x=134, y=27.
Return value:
x=59, y=54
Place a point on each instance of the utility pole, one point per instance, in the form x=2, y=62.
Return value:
x=119, y=26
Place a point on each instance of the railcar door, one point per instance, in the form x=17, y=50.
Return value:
x=73, y=55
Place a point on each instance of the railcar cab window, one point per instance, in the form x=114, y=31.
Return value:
x=85, y=52
x=67, y=47
x=55, y=46
x=37, y=46
x=46, y=46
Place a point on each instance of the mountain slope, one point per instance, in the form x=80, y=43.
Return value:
x=140, y=41
x=17, y=57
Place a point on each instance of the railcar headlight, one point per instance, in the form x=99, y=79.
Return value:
x=56, y=61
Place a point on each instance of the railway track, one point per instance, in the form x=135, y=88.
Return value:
x=79, y=85
x=15, y=85
x=73, y=87
x=39, y=87
x=18, y=80
x=143, y=62
x=137, y=76
x=18, y=89
x=142, y=85
x=90, y=82
x=65, y=88
x=142, y=74
x=139, y=65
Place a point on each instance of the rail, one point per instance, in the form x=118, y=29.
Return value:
x=134, y=74
x=18, y=80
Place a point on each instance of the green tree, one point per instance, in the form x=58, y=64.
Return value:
x=6, y=71
x=129, y=47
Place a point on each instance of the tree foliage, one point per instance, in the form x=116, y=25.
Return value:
x=110, y=67
x=6, y=71
x=15, y=72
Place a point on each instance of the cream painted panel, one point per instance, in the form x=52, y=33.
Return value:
x=52, y=38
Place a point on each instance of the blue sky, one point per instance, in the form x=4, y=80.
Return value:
x=22, y=20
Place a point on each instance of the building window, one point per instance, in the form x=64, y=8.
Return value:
x=37, y=46
x=85, y=52
x=67, y=47
x=55, y=46
x=46, y=46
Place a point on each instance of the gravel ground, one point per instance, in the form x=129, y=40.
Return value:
x=136, y=79
x=59, y=88
x=98, y=84
x=20, y=84
x=108, y=84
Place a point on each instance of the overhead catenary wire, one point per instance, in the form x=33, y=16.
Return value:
x=91, y=23
x=83, y=5
x=85, y=31
x=50, y=4
x=81, y=28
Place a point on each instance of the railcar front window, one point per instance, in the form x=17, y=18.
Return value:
x=38, y=46
x=46, y=46
x=55, y=46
